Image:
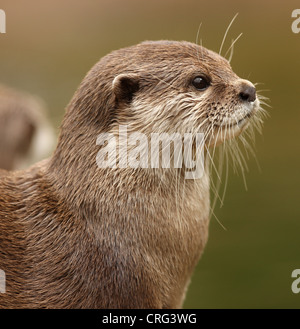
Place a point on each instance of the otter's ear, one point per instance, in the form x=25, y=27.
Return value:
x=124, y=86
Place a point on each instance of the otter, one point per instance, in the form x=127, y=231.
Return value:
x=74, y=235
x=26, y=136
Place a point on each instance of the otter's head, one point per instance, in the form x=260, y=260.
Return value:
x=180, y=87
x=153, y=87
x=165, y=86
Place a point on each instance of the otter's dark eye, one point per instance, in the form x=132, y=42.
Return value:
x=200, y=83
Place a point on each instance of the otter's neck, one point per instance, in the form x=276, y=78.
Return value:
x=91, y=190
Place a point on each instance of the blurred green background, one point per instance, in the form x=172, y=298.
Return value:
x=50, y=45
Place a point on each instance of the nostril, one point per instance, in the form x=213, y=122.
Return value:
x=248, y=94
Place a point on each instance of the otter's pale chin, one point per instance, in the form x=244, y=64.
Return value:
x=228, y=131
x=222, y=134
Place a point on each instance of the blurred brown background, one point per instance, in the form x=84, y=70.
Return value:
x=49, y=47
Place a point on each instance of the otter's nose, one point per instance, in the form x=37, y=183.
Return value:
x=247, y=93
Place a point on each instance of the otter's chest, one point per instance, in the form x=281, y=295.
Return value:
x=176, y=230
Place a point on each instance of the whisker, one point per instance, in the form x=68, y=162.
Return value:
x=197, y=39
x=226, y=32
x=231, y=48
x=218, y=184
x=219, y=222
x=260, y=90
x=226, y=176
x=258, y=83
x=231, y=52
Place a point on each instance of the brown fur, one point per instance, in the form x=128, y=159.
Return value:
x=73, y=235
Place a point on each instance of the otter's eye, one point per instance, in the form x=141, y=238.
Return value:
x=200, y=83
